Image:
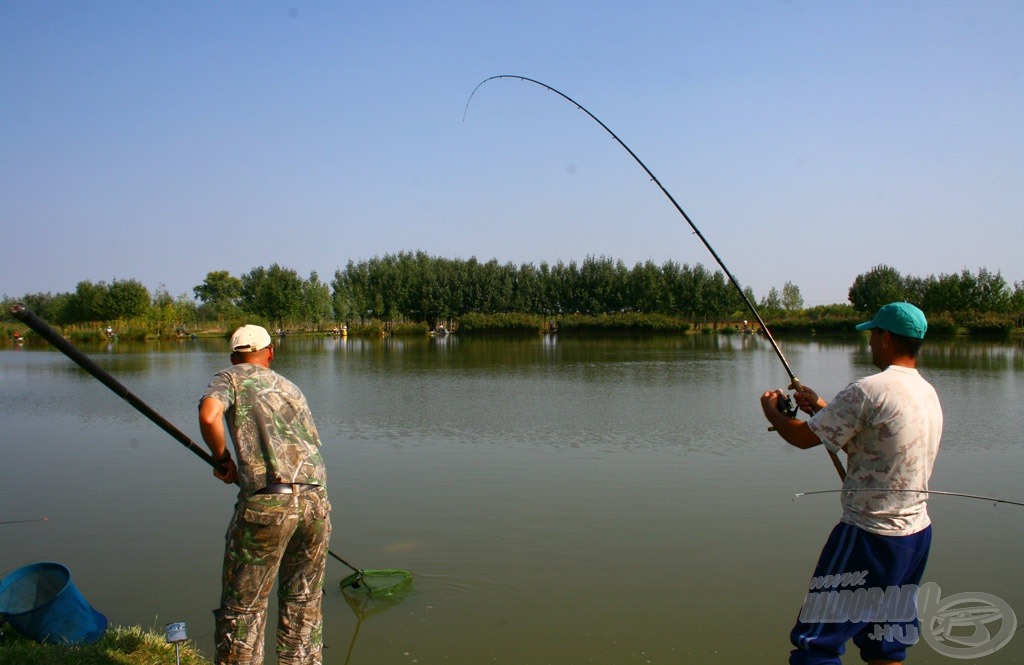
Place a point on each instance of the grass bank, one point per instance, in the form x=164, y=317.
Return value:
x=118, y=646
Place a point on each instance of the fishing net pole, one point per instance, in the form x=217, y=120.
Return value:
x=362, y=581
x=753, y=310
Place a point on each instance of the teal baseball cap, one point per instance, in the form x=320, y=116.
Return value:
x=899, y=318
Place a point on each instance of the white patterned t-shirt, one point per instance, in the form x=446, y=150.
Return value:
x=889, y=424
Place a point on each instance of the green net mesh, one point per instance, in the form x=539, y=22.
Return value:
x=369, y=592
x=385, y=583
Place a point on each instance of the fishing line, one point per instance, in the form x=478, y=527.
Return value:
x=38, y=519
x=753, y=310
x=882, y=489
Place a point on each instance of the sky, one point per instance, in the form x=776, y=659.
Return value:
x=808, y=141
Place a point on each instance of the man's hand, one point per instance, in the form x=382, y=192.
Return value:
x=795, y=432
x=770, y=406
x=807, y=400
x=226, y=472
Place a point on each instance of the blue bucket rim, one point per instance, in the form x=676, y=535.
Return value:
x=24, y=571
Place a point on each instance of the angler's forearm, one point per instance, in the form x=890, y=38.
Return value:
x=211, y=426
x=796, y=432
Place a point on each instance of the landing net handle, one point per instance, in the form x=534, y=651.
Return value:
x=44, y=330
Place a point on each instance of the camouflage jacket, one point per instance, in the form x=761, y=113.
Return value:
x=271, y=426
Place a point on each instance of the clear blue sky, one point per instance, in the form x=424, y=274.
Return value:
x=809, y=141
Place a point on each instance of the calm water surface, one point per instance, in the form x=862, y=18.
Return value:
x=559, y=500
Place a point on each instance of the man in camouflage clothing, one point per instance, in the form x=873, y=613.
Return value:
x=281, y=526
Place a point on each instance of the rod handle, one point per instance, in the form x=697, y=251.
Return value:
x=835, y=458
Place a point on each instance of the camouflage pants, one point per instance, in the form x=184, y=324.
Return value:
x=282, y=538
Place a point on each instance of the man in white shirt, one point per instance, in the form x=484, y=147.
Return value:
x=889, y=425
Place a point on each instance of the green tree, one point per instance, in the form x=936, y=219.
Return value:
x=352, y=295
x=125, y=299
x=792, y=301
x=341, y=296
x=965, y=292
x=750, y=298
x=601, y=285
x=528, y=290
x=879, y=286
x=992, y=294
x=1016, y=305
x=1017, y=297
x=771, y=304
x=649, y=287
x=274, y=293
x=316, y=301
x=186, y=311
x=685, y=294
x=219, y=293
x=162, y=313
x=85, y=304
x=564, y=288
x=720, y=297
x=44, y=305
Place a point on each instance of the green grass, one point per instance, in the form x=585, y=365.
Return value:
x=118, y=646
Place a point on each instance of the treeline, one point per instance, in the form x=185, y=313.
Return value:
x=413, y=288
x=961, y=293
x=417, y=287
x=101, y=303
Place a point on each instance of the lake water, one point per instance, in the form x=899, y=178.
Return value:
x=559, y=500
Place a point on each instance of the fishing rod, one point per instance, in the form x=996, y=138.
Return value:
x=753, y=310
x=43, y=329
x=883, y=489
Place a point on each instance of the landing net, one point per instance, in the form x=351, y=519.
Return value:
x=370, y=592
x=382, y=583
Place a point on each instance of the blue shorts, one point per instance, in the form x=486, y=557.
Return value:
x=864, y=588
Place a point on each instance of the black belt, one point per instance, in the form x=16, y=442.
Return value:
x=286, y=488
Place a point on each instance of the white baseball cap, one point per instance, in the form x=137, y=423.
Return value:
x=250, y=338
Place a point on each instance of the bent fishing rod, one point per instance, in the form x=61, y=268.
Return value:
x=753, y=310
x=43, y=329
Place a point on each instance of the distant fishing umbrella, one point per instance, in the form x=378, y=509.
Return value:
x=381, y=579
x=753, y=310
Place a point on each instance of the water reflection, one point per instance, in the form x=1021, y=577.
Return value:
x=974, y=355
x=515, y=476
